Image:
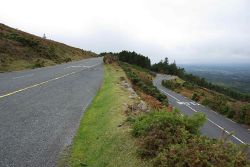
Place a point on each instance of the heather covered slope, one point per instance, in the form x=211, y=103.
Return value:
x=20, y=50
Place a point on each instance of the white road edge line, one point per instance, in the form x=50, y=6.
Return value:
x=207, y=118
x=170, y=95
x=23, y=76
x=191, y=108
x=225, y=131
x=35, y=85
x=77, y=66
x=230, y=120
x=219, y=126
x=214, y=111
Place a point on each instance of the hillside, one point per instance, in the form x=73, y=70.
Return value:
x=137, y=127
x=20, y=50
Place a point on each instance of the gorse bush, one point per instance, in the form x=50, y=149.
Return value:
x=243, y=116
x=189, y=85
x=170, y=140
x=171, y=84
x=39, y=63
x=217, y=103
x=68, y=59
x=164, y=119
x=24, y=40
x=195, y=97
x=201, y=151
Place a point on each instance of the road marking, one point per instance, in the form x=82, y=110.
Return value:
x=23, y=76
x=77, y=66
x=191, y=108
x=187, y=103
x=183, y=103
x=178, y=101
x=73, y=67
x=42, y=83
x=219, y=126
x=214, y=112
x=225, y=131
x=230, y=120
x=170, y=95
x=195, y=104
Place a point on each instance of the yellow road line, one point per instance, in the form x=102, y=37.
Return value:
x=42, y=83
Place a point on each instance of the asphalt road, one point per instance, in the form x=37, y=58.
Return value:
x=40, y=110
x=216, y=125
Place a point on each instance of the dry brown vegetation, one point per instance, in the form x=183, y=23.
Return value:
x=151, y=101
x=108, y=59
x=20, y=50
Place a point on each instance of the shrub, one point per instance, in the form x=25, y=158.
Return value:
x=201, y=151
x=161, y=118
x=170, y=84
x=246, y=110
x=68, y=59
x=39, y=63
x=195, y=97
x=189, y=85
x=243, y=115
x=219, y=104
x=24, y=40
x=109, y=59
x=173, y=140
x=153, y=102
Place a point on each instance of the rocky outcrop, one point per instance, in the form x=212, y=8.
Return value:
x=137, y=105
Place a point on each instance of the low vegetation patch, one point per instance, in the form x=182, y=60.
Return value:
x=170, y=139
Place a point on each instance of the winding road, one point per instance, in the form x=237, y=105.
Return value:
x=40, y=110
x=216, y=125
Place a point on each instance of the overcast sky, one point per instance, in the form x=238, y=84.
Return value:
x=188, y=31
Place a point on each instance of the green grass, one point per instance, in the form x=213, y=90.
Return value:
x=179, y=80
x=99, y=140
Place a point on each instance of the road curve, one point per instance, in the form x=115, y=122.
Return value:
x=216, y=124
x=40, y=110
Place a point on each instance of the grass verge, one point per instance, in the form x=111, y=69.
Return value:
x=103, y=138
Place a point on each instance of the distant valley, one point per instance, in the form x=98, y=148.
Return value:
x=233, y=76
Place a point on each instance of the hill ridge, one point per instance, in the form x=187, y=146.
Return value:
x=21, y=50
